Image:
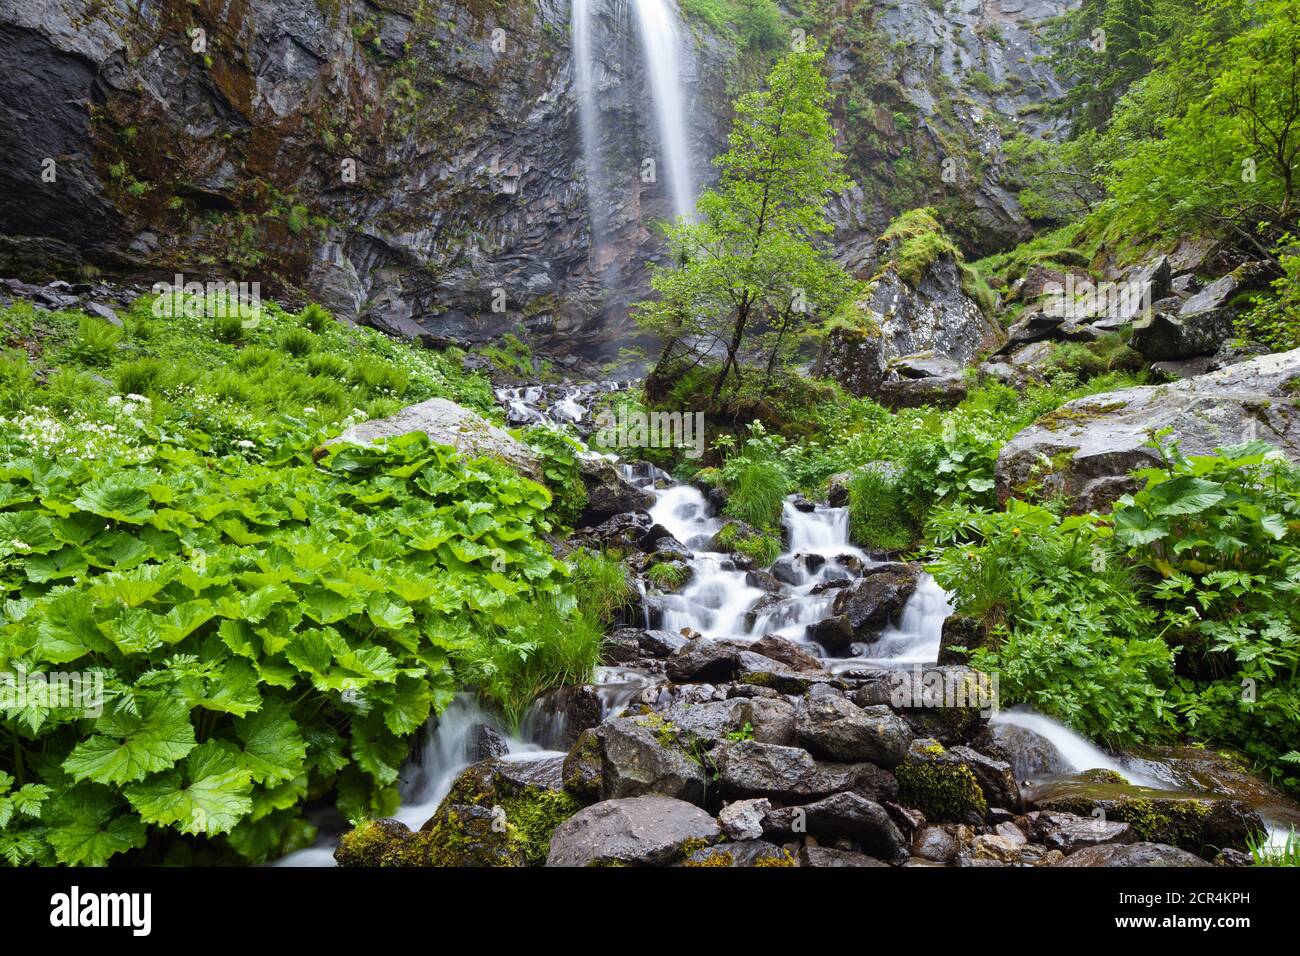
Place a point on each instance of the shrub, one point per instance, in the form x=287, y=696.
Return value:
x=1070, y=634
x=314, y=317
x=756, y=478
x=1220, y=534
x=297, y=342
x=95, y=343
x=602, y=585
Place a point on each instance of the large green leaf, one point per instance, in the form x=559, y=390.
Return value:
x=129, y=747
x=209, y=794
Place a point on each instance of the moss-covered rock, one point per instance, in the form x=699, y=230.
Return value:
x=940, y=785
x=1203, y=827
x=498, y=813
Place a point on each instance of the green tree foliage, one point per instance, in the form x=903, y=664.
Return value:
x=748, y=271
x=1225, y=157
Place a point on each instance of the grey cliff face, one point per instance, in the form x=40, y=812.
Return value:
x=418, y=164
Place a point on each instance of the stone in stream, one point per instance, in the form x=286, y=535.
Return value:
x=1201, y=826
x=830, y=857
x=864, y=608
x=637, y=831
x=1133, y=854
x=628, y=645
x=583, y=767
x=940, y=844
x=608, y=492
x=1068, y=832
x=743, y=819
x=1029, y=753
x=832, y=727
x=644, y=755
x=954, y=784
x=498, y=813
x=747, y=852
x=748, y=768
x=1093, y=443
x=846, y=815
x=950, y=703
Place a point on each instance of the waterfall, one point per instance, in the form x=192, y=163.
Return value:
x=584, y=75
x=658, y=28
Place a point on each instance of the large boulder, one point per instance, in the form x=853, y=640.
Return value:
x=643, y=755
x=498, y=813
x=608, y=492
x=841, y=816
x=1068, y=832
x=1200, y=826
x=1085, y=449
x=1168, y=337
x=447, y=423
x=935, y=318
x=867, y=606
x=749, y=769
x=639, y=831
x=835, y=728
x=954, y=784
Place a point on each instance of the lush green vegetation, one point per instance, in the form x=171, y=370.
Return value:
x=271, y=620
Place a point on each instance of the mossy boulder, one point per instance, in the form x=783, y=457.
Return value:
x=1199, y=826
x=939, y=783
x=498, y=813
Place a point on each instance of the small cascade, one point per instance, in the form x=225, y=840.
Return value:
x=1076, y=751
x=915, y=638
x=657, y=24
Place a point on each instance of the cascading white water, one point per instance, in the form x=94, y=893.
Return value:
x=449, y=747
x=1076, y=750
x=584, y=77
x=656, y=21
x=915, y=638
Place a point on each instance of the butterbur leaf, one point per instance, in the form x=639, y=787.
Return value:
x=68, y=562
x=232, y=690
x=115, y=497
x=87, y=826
x=273, y=750
x=410, y=708
x=386, y=613
x=208, y=794
x=130, y=747
x=26, y=532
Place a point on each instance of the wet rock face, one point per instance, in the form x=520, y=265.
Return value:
x=916, y=54
x=1091, y=444
x=460, y=119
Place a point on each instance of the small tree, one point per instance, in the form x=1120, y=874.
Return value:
x=748, y=270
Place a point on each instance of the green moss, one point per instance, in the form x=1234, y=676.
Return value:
x=713, y=859
x=1067, y=417
x=941, y=791
x=381, y=843
x=921, y=241
x=1098, y=775
x=785, y=859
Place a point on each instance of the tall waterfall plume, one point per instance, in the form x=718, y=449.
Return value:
x=657, y=23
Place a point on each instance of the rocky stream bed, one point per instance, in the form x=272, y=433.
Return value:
x=792, y=715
